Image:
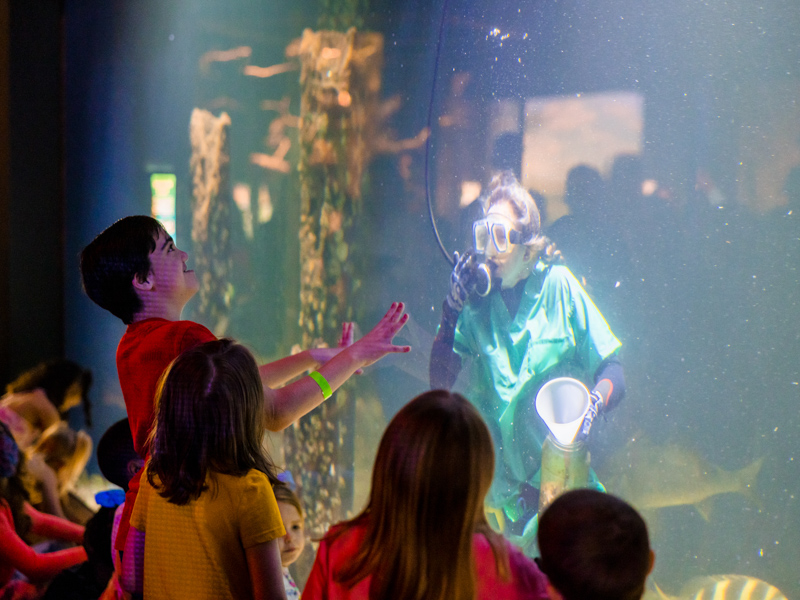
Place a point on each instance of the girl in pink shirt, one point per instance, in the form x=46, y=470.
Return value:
x=423, y=534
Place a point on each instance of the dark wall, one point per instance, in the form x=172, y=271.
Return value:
x=5, y=187
x=106, y=118
x=31, y=276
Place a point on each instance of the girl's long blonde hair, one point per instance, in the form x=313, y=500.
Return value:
x=433, y=469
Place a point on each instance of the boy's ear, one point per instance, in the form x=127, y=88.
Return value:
x=133, y=466
x=140, y=285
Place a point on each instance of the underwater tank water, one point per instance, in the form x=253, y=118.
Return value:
x=308, y=204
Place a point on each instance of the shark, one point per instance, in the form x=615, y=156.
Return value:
x=650, y=476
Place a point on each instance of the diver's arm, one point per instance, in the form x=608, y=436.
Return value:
x=608, y=390
x=610, y=382
x=445, y=364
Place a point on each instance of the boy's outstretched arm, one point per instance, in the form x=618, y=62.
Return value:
x=287, y=404
x=276, y=373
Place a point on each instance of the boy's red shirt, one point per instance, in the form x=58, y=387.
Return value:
x=146, y=349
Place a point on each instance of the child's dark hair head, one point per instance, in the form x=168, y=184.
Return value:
x=209, y=417
x=56, y=378
x=116, y=458
x=283, y=493
x=594, y=545
x=111, y=261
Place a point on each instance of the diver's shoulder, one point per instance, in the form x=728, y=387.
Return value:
x=559, y=272
x=558, y=276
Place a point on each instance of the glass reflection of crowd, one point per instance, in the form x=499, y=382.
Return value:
x=686, y=267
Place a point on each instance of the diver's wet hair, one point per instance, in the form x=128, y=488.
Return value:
x=504, y=187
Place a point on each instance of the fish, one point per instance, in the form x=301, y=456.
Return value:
x=651, y=477
x=721, y=587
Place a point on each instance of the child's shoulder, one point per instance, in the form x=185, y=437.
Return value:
x=163, y=332
x=256, y=477
x=252, y=481
x=250, y=493
x=158, y=324
x=560, y=277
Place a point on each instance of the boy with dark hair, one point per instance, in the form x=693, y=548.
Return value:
x=116, y=457
x=108, y=263
x=593, y=545
x=134, y=270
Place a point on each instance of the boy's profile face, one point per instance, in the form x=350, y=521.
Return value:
x=169, y=276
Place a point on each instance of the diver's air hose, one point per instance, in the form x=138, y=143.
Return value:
x=447, y=255
x=482, y=273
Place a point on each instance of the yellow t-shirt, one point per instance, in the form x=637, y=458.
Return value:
x=197, y=550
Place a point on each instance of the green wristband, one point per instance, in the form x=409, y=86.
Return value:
x=322, y=383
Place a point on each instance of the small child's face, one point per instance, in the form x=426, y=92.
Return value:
x=291, y=545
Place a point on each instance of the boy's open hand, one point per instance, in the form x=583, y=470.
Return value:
x=378, y=342
x=323, y=355
x=347, y=335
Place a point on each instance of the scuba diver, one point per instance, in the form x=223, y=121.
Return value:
x=523, y=319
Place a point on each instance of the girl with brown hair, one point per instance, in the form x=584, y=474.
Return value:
x=206, y=523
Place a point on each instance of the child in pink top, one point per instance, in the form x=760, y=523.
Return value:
x=17, y=518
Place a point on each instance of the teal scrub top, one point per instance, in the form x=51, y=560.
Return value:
x=557, y=331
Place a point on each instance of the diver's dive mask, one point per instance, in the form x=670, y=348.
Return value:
x=497, y=229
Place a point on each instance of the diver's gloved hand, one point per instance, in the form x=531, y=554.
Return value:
x=596, y=404
x=462, y=281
